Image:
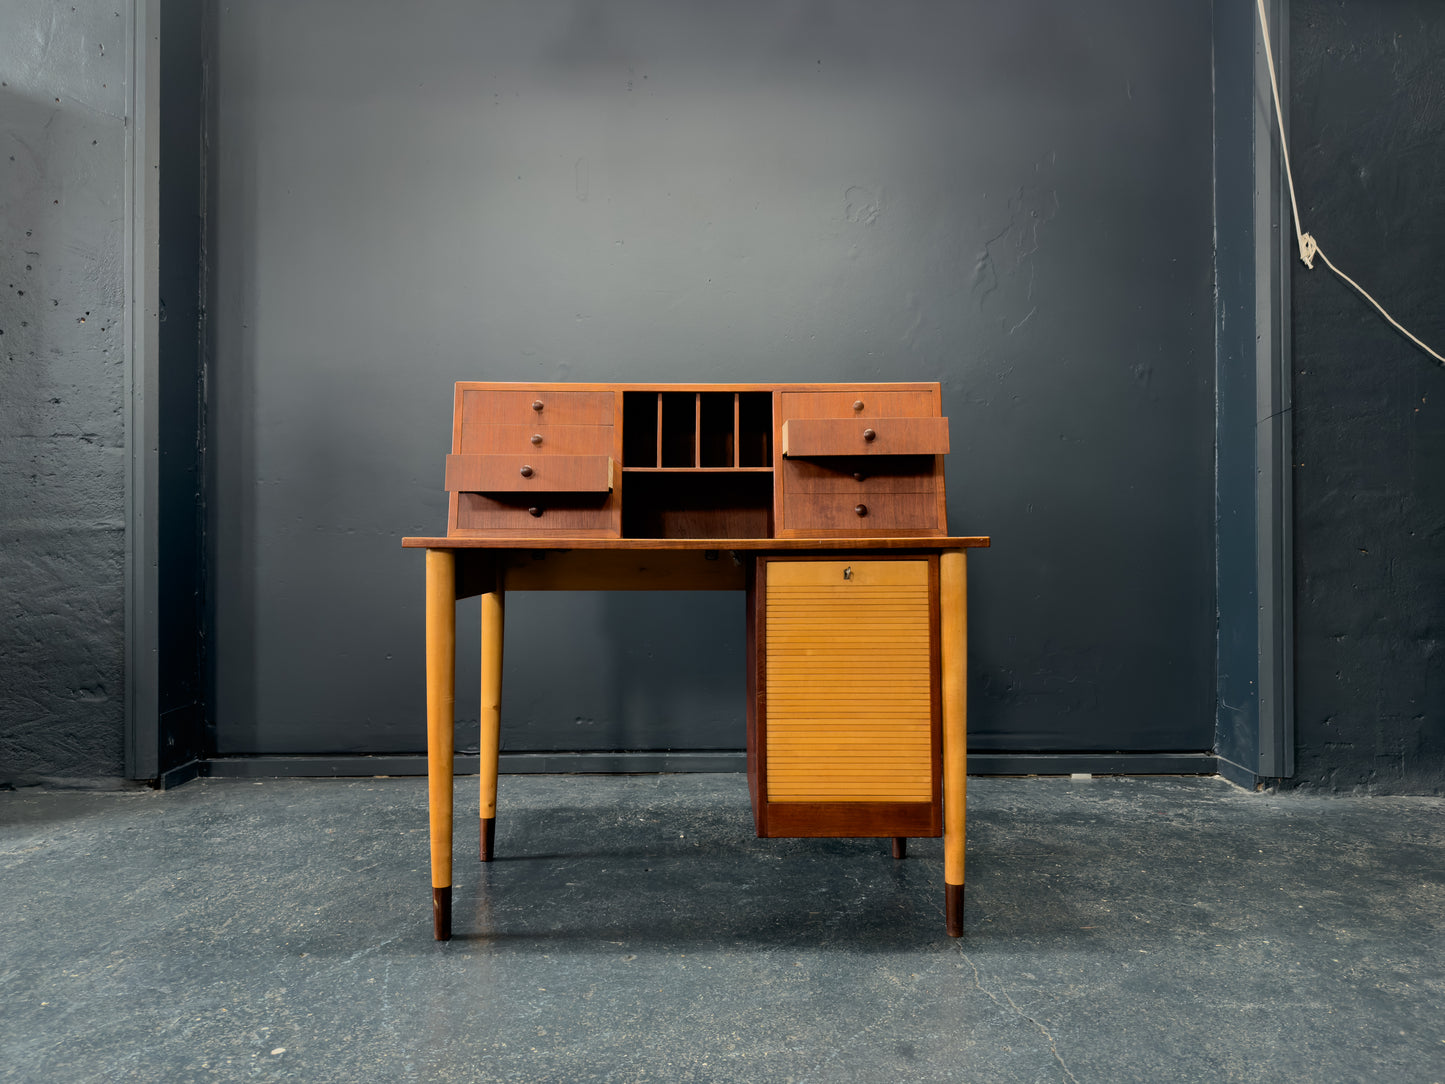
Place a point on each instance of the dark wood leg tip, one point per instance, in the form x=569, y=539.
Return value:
x=441, y=912
x=489, y=838
x=900, y=847
x=953, y=908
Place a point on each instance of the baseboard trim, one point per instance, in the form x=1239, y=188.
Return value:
x=1238, y=775
x=264, y=767
x=620, y=763
x=1092, y=764
x=260, y=767
x=184, y=773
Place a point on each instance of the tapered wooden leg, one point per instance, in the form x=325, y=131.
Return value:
x=492, y=614
x=900, y=847
x=953, y=589
x=441, y=682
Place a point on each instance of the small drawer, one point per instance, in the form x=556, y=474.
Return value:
x=535, y=514
x=865, y=436
x=850, y=475
x=538, y=440
x=536, y=406
x=858, y=404
x=529, y=474
x=869, y=513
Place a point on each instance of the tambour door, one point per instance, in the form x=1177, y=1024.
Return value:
x=844, y=738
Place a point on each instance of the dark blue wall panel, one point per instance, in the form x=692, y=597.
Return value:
x=1368, y=131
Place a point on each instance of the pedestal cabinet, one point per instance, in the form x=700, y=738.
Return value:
x=843, y=728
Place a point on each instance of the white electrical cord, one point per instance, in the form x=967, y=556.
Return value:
x=1308, y=247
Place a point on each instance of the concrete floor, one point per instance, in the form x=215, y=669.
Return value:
x=635, y=929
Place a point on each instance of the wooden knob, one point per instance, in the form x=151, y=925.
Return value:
x=858, y=405
x=536, y=438
x=534, y=511
x=858, y=476
x=537, y=404
x=869, y=435
x=861, y=509
x=526, y=471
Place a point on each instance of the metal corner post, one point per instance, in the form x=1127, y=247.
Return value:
x=142, y=382
x=1254, y=711
x=1273, y=374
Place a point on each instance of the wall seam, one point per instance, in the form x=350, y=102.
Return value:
x=141, y=285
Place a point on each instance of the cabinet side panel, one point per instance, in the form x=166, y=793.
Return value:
x=756, y=653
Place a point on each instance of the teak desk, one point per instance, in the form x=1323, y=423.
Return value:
x=823, y=502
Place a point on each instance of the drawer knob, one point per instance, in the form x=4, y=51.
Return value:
x=869, y=435
x=534, y=512
x=526, y=471
x=858, y=476
x=536, y=438
x=537, y=404
x=858, y=405
x=861, y=509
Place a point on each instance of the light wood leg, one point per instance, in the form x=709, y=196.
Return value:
x=441, y=682
x=953, y=589
x=492, y=621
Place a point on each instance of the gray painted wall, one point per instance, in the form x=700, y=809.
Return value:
x=1368, y=116
x=62, y=384
x=1014, y=200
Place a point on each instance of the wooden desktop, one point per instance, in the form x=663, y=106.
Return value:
x=825, y=503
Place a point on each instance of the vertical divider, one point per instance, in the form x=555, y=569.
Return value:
x=737, y=430
x=657, y=462
x=697, y=430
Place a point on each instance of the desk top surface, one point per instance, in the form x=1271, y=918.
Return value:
x=553, y=542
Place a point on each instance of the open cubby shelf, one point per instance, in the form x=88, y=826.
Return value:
x=699, y=464
x=706, y=503
x=697, y=430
